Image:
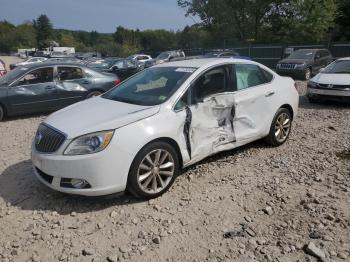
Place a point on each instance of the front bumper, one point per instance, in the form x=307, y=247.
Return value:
x=106, y=171
x=296, y=73
x=331, y=94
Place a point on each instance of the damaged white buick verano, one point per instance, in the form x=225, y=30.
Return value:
x=139, y=135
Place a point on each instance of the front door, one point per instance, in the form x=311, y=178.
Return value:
x=210, y=113
x=34, y=92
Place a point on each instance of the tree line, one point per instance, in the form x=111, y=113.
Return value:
x=220, y=24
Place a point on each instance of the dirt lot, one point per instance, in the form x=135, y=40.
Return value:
x=271, y=202
x=10, y=60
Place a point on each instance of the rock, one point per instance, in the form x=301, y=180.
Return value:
x=342, y=255
x=312, y=250
x=114, y=214
x=124, y=249
x=88, y=252
x=142, y=235
x=113, y=258
x=73, y=214
x=268, y=210
x=156, y=240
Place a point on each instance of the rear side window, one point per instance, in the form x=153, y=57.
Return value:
x=41, y=75
x=249, y=75
x=69, y=73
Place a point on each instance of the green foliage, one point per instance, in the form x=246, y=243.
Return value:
x=223, y=23
x=44, y=31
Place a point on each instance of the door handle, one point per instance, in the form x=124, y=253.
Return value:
x=85, y=82
x=49, y=87
x=271, y=93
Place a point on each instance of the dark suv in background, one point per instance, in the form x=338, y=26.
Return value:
x=304, y=63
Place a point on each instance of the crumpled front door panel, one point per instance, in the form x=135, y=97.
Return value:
x=212, y=128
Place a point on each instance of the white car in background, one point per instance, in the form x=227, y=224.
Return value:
x=332, y=83
x=139, y=135
x=29, y=61
x=141, y=58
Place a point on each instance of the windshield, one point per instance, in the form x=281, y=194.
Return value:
x=163, y=55
x=302, y=54
x=150, y=87
x=338, y=67
x=12, y=75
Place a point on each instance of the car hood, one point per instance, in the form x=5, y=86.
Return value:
x=334, y=79
x=97, y=114
x=294, y=61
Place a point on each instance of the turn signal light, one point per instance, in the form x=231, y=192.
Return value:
x=116, y=82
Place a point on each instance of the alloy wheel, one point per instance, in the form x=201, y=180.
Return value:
x=282, y=127
x=156, y=171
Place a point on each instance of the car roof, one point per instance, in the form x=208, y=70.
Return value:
x=202, y=62
x=53, y=63
x=344, y=59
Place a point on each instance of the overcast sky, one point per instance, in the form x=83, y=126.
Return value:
x=100, y=15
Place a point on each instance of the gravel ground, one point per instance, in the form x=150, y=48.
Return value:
x=255, y=203
x=10, y=60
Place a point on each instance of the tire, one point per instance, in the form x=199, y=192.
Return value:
x=147, y=179
x=2, y=113
x=94, y=93
x=312, y=100
x=307, y=73
x=276, y=138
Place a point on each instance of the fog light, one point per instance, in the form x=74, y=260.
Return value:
x=78, y=183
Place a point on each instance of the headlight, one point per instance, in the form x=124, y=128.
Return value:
x=90, y=143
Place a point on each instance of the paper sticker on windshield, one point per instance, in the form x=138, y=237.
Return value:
x=185, y=70
x=162, y=98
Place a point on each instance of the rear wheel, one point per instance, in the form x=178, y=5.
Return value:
x=94, y=93
x=153, y=170
x=2, y=113
x=280, y=127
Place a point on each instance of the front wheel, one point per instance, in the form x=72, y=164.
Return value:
x=280, y=127
x=153, y=170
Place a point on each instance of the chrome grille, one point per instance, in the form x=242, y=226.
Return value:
x=287, y=66
x=48, y=140
x=345, y=87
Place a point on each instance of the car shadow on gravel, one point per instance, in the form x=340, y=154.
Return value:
x=305, y=104
x=19, y=187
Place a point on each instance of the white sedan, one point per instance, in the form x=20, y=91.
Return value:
x=332, y=83
x=140, y=134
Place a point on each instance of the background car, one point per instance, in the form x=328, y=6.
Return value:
x=29, y=61
x=3, y=70
x=123, y=68
x=332, y=83
x=304, y=63
x=227, y=54
x=46, y=87
x=141, y=58
x=165, y=56
x=139, y=135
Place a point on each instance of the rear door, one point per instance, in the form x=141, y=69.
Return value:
x=255, y=102
x=72, y=83
x=33, y=92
